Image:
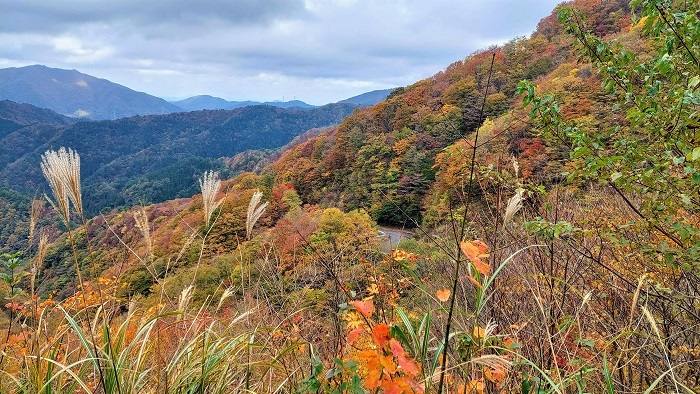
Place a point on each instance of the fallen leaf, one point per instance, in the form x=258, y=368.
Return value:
x=476, y=386
x=373, y=289
x=443, y=295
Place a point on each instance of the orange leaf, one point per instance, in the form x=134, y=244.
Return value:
x=474, y=281
x=388, y=364
x=470, y=249
x=380, y=334
x=366, y=307
x=495, y=375
x=475, y=250
x=354, y=334
x=392, y=388
x=443, y=295
x=372, y=378
x=409, y=366
x=482, y=246
x=482, y=267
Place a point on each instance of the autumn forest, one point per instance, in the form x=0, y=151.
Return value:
x=548, y=190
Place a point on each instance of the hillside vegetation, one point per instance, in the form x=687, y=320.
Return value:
x=552, y=185
x=147, y=159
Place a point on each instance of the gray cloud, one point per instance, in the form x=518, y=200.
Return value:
x=63, y=15
x=316, y=50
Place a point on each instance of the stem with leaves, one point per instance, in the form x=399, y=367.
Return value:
x=462, y=231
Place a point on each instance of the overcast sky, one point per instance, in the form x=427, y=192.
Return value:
x=318, y=51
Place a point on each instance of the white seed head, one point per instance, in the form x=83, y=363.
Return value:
x=514, y=205
x=254, y=212
x=210, y=185
x=141, y=220
x=516, y=165
x=62, y=170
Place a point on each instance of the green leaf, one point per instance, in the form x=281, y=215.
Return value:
x=694, y=155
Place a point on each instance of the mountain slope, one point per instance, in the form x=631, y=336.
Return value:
x=69, y=92
x=26, y=114
x=368, y=99
x=154, y=158
x=402, y=159
x=14, y=116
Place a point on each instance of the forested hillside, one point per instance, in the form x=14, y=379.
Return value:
x=403, y=147
x=147, y=159
x=553, y=191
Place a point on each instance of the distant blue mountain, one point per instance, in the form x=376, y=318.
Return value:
x=72, y=93
x=368, y=99
x=197, y=103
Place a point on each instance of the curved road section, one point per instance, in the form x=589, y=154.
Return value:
x=392, y=236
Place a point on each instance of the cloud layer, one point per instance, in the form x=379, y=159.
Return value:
x=315, y=50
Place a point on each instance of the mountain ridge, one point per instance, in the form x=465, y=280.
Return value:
x=75, y=94
x=155, y=157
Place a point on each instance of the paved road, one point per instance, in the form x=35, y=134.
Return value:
x=392, y=236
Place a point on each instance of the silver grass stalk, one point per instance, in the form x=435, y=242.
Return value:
x=210, y=185
x=516, y=165
x=228, y=292
x=43, y=246
x=141, y=219
x=184, y=299
x=254, y=212
x=65, y=166
x=514, y=205
x=62, y=204
x=34, y=212
x=493, y=361
x=39, y=260
x=62, y=171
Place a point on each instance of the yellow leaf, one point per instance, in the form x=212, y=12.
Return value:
x=479, y=332
x=476, y=386
x=373, y=289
